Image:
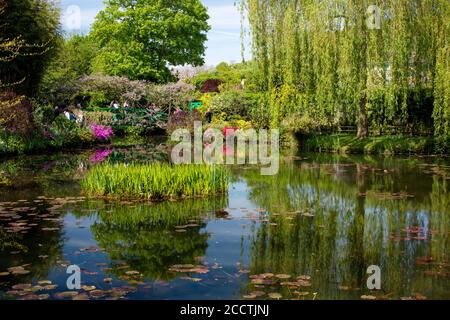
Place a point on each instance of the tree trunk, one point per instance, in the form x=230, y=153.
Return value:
x=363, y=130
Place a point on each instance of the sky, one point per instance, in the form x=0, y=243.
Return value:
x=224, y=42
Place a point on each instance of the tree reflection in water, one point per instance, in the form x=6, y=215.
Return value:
x=333, y=220
x=151, y=238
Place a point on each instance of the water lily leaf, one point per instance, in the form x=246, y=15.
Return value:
x=275, y=295
x=258, y=293
x=283, y=276
x=29, y=297
x=88, y=288
x=300, y=293
x=98, y=293
x=368, y=297
x=191, y=279
x=131, y=273
x=22, y=286
x=20, y=272
x=82, y=296
x=107, y=280
x=50, y=287
x=65, y=295
x=44, y=282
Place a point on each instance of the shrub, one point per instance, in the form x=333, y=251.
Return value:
x=16, y=113
x=232, y=103
x=102, y=132
x=155, y=181
x=171, y=96
x=65, y=132
x=103, y=89
x=183, y=120
x=98, y=117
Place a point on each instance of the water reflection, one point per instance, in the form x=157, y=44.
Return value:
x=151, y=238
x=308, y=233
x=332, y=220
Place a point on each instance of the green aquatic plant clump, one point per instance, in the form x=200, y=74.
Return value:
x=155, y=181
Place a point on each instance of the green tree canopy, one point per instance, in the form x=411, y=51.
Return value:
x=28, y=31
x=139, y=39
x=73, y=60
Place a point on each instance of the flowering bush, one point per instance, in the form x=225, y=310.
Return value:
x=170, y=96
x=102, y=132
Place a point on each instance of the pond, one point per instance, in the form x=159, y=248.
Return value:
x=308, y=233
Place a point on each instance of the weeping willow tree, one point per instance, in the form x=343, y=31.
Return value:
x=327, y=63
x=441, y=113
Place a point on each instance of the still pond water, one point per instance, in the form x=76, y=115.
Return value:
x=308, y=233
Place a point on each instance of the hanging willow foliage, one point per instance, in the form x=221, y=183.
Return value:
x=350, y=62
x=441, y=114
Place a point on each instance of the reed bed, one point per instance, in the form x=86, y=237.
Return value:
x=155, y=181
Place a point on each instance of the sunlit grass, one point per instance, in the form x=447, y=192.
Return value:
x=155, y=181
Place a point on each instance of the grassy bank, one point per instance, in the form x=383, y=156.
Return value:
x=344, y=143
x=155, y=181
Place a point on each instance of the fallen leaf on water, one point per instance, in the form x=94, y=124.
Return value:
x=249, y=297
x=43, y=296
x=107, y=280
x=3, y=274
x=44, y=282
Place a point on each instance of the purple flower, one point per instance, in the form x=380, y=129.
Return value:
x=102, y=132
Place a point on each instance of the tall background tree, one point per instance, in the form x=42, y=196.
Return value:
x=139, y=39
x=376, y=64
x=29, y=31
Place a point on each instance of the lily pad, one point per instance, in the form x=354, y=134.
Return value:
x=275, y=295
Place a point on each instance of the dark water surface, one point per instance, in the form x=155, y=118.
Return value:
x=310, y=232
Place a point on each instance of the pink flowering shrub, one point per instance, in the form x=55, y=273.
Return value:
x=102, y=132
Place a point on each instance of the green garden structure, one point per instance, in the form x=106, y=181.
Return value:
x=195, y=105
